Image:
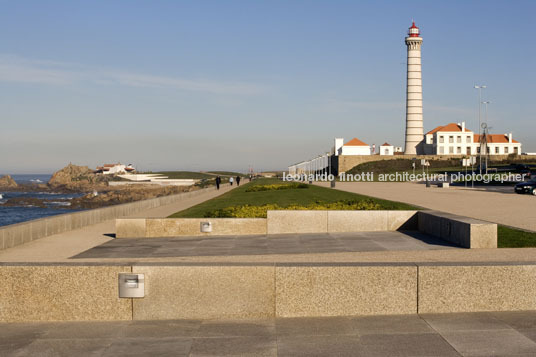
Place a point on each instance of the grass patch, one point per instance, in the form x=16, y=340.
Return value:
x=402, y=165
x=452, y=165
x=515, y=238
x=314, y=195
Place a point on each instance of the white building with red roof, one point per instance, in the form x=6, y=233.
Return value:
x=352, y=147
x=456, y=139
x=387, y=149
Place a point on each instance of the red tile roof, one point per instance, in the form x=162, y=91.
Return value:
x=495, y=139
x=355, y=142
x=386, y=144
x=449, y=127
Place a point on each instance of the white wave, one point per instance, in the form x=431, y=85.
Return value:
x=55, y=203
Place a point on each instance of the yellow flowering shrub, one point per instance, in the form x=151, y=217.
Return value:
x=277, y=186
x=247, y=211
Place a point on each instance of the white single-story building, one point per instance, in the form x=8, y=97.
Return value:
x=353, y=147
x=387, y=149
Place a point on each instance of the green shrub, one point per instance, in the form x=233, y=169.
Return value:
x=247, y=211
x=275, y=187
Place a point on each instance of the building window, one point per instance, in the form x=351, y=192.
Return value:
x=459, y=150
x=496, y=149
x=468, y=139
x=386, y=151
x=459, y=138
x=441, y=150
x=451, y=139
x=441, y=139
x=516, y=150
x=478, y=150
x=506, y=150
x=451, y=149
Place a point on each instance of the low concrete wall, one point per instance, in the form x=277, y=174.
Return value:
x=278, y=222
x=72, y=292
x=176, y=227
x=463, y=231
x=347, y=162
x=476, y=287
x=62, y=293
x=20, y=233
x=206, y=292
x=290, y=222
x=339, y=221
x=345, y=289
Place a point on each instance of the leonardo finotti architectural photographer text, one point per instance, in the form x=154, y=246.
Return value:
x=406, y=177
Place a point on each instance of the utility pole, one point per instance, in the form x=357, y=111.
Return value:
x=480, y=87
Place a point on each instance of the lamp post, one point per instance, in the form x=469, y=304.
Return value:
x=486, y=118
x=480, y=87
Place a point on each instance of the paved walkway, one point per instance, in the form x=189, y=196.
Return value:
x=467, y=334
x=263, y=245
x=64, y=245
x=506, y=208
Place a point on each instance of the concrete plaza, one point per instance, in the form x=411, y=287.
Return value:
x=282, y=244
x=499, y=206
x=464, y=334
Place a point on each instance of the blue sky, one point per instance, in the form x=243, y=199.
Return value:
x=202, y=85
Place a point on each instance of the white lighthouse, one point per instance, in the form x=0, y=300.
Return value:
x=414, y=123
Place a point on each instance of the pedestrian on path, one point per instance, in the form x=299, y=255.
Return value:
x=231, y=181
x=238, y=180
x=218, y=182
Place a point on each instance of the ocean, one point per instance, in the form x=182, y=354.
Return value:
x=17, y=214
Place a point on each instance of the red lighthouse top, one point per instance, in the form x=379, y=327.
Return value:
x=414, y=31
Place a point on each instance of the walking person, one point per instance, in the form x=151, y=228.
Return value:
x=238, y=180
x=231, y=181
x=218, y=182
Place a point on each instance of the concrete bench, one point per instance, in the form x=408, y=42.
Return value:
x=463, y=231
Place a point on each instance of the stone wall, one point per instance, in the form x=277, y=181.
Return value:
x=463, y=231
x=20, y=233
x=346, y=162
x=78, y=292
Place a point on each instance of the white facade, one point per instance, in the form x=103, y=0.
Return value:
x=387, y=149
x=319, y=164
x=355, y=150
x=339, y=142
x=456, y=139
x=353, y=147
x=152, y=179
x=116, y=169
x=414, y=117
x=502, y=144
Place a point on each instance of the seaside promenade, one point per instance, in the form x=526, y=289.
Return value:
x=345, y=294
x=62, y=246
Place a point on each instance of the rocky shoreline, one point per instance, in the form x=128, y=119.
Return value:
x=94, y=189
